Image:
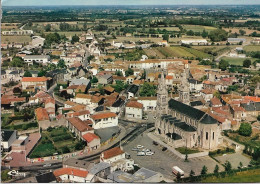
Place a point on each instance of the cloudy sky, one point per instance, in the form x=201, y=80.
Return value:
x=124, y=2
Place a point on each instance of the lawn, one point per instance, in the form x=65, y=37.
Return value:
x=16, y=39
x=236, y=61
x=252, y=176
x=184, y=150
x=250, y=48
x=24, y=126
x=56, y=140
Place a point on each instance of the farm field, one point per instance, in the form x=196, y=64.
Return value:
x=56, y=140
x=16, y=39
x=176, y=51
x=214, y=49
x=198, y=28
x=236, y=30
x=236, y=61
x=250, y=48
x=240, y=177
x=67, y=33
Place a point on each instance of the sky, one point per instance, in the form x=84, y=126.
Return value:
x=125, y=2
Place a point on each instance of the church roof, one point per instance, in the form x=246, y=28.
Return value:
x=191, y=112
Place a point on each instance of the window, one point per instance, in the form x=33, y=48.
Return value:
x=193, y=136
x=213, y=135
x=207, y=135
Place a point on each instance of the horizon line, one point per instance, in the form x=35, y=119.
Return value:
x=136, y=5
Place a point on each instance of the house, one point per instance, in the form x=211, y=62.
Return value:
x=82, y=114
x=116, y=157
x=215, y=102
x=207, y=94
x=8, y=137
x=100, y=170
x=104, y=120
x=50, y=107
x=82, y=81
x=78, y=164
x=43, y=59
x=69, y=175
x=236, y=40
x=93, y=141
x=194, y=42
x=130, y=79
x=134, y=110
x=147, y=176
x=149, y=103
x=18, y=32
x=195, y=85
x=108, y=90
x=37, y=41
x=34, y=82
x=105, y=79
x=43, y=118
x=79, y=127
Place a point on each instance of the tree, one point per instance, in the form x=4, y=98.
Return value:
x=258, y=117
x=240, y=165
x=192, y=173
x=48, y=28
x=129, y=72
x=223, y=64
x=61, y=64
x=147, y=90
x=166, y=37
x=245, y=129
x=17, y=90
x=74, y=39
x=186, y=157
x=242, y=32
x=204, y=34
x=190, y=33
x=178, y=176
x=52, y=38
x=118, y=73
x=217, y=94
x=27, y=74
x=17, y=62
x=218, y=35
x=204, y=170
x=42, y=73
x=247, y=63
x=119, y=86
x=94, y=80
x=228, y=166
x=216, y=169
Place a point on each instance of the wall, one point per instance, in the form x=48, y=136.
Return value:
x=110, y=122
x=131, y=112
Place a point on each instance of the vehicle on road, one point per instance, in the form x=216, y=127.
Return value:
x=47, y=165
x=176, y=170
x=164, y=148
x=149, y=153
x=139, y=146
x=155, y=143
x=141, y=153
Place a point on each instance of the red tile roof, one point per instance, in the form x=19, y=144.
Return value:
x=109, y=89
x=75, y=114
x=103, y=115
x=112, y=152
x=79, y=124
x=49, y=100
x=215, y=101
x=169, y=77
x=90, y=137
x=41, y=114
x=134, y=104
x=34, y=79
x=70, y=171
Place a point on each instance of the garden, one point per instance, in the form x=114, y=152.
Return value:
x=57, y=140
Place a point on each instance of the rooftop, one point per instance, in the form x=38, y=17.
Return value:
x=112, y=152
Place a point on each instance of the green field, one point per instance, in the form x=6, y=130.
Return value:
x=252, y=176
x=250, y=48
x=56, y=140
x=67, y=34
x=236, y=61
x=198, y=28
x=176, y=51
x=214, y=49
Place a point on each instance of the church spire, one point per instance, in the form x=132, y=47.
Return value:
x=162, y=97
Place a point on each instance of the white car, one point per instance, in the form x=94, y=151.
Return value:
x=135, y=149
x=47, y=165
x=141, y=153
x=139, y=146
x=146, y=150
x=149, y=153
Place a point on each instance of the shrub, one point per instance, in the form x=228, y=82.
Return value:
x=245, y=129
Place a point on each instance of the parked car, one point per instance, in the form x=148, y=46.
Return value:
x=47, y=165
x=135, y=149
x=141, y=153
x=149, y=153
x=146, y=150
x=164, y=148
x=139, y=146
x=155, y=143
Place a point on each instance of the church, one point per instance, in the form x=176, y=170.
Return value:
x=182, y=125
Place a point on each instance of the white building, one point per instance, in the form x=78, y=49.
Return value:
x=8, y=137
x=18, y=32
x=37, y=41
x=37, y=58
x=104, y=120
x=149, y=103
x=134, y=110
x=194, y=42
x=71, y=175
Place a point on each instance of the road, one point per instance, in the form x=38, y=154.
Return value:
x=51, y=92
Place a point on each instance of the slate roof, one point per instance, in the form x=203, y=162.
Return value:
x=6, y=134
x=78, y=163
x=133, y=89
x=45, y=178
x=118, y=103
x=196, y=103
x=99, y=167
x=191, y=112
x=144, y=173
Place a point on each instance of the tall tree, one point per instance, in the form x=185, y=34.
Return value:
x=204, y=170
